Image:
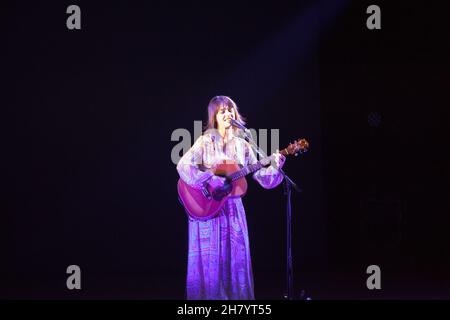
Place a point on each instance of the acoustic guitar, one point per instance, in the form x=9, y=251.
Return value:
x=205, y=203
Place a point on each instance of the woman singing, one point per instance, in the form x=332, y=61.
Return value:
x=219, y=263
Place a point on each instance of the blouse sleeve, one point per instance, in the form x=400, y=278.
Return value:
x=190, y=167
x=268, y=177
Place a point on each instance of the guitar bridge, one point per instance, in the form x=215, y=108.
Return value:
x=206, y=193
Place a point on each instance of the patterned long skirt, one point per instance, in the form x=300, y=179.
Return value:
x=219, y=264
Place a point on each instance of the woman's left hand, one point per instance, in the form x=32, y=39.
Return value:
x=278, y=159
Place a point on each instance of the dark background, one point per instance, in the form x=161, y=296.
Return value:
x=87, y=118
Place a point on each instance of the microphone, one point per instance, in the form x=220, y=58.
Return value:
x=239, y=125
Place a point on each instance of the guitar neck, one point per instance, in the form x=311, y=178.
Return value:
x=255, y=167
x=245, y=171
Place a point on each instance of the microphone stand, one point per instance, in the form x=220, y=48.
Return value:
x=288, y=185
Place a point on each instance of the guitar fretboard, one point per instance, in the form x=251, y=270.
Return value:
x=245, y=171
x=255, y=167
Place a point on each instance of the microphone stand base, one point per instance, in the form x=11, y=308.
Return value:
x=301, y=296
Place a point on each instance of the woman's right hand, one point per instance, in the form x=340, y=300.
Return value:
x=216, y=182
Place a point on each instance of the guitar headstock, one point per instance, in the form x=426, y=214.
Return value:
x=297, y=147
